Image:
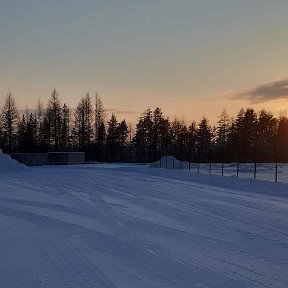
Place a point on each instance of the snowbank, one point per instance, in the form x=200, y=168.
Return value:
x=170, y=162
x=8, y=165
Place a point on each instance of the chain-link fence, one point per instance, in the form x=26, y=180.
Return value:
x=274, y=172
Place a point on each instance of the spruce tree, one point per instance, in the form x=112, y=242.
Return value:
x=144, y=136
x=9, y=123
x=65, y=128
x=203, y=140
x=54, y=115
x=122, y=135
x=112, y=137
x=99, y=114
x=100, y=156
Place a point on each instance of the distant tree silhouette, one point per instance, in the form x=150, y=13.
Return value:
x=101, y=140
x=9, y=122
x=54, y=117
x=222, y=134
x=99, y=115
x=122, y=135
x=203, y=140
x=112, y=138
x=83, y=124
x=192, y=134
x=40, y=114
x=144, y=136
x=266, y=136
x=65, y=129
x=250, y=137
x=21, y=134
x=282, y=139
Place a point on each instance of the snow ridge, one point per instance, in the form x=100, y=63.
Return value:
x=9, y=166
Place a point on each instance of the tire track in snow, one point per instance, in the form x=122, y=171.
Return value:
x=75, y=268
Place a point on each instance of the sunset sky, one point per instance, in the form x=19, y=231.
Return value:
x=190, y=57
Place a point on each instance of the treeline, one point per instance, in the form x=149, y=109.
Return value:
x=248, y=137
x=57, y=128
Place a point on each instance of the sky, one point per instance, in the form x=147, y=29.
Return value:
x=190, y=57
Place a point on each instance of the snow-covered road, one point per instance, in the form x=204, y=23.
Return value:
x=131, y=226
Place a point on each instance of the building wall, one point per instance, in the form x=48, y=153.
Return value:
x=76, y=158
x=51, y=158
x=31, y=159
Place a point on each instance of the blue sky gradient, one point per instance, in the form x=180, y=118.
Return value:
x=185, y=56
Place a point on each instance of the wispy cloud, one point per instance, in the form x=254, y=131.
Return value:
x=275, y=90
x=118, y=111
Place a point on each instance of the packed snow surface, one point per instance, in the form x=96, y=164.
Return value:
x=135, y=226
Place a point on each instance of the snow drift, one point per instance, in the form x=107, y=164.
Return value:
x=8, y=165
x=170, y=162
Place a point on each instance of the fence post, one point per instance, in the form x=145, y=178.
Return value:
x=210, y=168
x=166, y=161
x=198, y=167
x=189, y=151
x=237, y=173
x=222, y=168
x=276, y=172
x=255, y=168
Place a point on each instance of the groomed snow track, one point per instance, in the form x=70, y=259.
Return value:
x=122, y=226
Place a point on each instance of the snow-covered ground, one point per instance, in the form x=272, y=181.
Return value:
x=134, y=226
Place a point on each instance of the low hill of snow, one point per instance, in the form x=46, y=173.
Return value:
x=8, y=165
x=170, y=162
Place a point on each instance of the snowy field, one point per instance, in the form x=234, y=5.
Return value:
x=134, y=226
